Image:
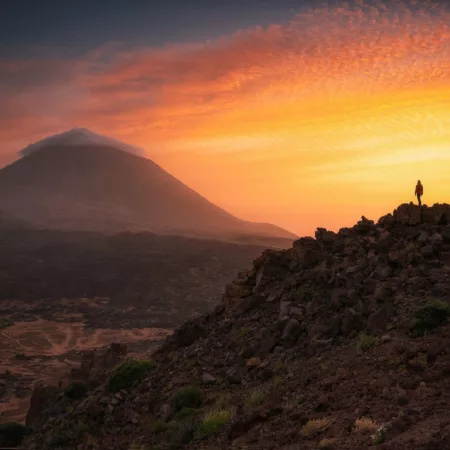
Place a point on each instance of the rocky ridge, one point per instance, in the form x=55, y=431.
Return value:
x=340, y=342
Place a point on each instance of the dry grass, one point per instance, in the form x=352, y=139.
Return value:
x=256, y=398
x=313, y=427
x=365, y=424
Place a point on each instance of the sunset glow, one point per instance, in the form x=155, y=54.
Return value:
x=306, y=123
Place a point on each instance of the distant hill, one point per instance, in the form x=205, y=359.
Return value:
x=83, y=181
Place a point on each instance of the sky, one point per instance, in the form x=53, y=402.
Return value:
x=304, y=114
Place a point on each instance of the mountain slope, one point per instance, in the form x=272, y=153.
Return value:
x=102, y=188
x=340, y=342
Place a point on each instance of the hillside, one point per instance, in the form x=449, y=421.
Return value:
x=62, y=293
x=82, y=182
x=338, y=343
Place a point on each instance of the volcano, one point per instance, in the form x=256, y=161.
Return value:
x=80, y=180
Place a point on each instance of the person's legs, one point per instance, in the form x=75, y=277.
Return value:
x=419, y=200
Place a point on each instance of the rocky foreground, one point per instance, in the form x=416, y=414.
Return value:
x=340, y=342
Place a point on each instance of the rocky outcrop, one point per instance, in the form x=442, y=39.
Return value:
x=95, y=364
x=42, y=398
x=318, y=346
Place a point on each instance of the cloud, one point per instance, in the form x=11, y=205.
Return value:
x=330, y=89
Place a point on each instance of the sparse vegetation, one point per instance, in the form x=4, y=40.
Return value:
x=213, y=422
x=159, y=426
x=76, y=390
x=280, y=367
x=314, y=427
x=186, y=412
x=15, y=433
x=256, y=398
x=299, y=399
x=366, y=342
x=379, y=436
x=181, y=433
x=138, y=447
x=222, y=401
x=304, y=294
x=430, y=316
x=277, y=381
x=189, y=397
x=327, y=444
x=244, y=331
x=5, y=323
x=365, y=424
x=127, y=373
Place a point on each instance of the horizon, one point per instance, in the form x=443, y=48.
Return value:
x=273, y=111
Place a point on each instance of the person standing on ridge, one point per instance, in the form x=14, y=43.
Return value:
x=419, y=192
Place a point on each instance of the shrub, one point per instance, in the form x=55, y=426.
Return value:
x=244, y=331
x=189, y=397
x=5, y=323
x=277, y=381
x=433, y=314
x=256, y=398
x=160, y=426
x=127, y=373
x=299, y=399
x=76, y=390
x=12, y=434
x=181, y=433
x=186, y=412
x=281, y=367
x=366, y=342
x=313, y=427
x=213, y=422
x=365, y=424
x=304, y=294
x=21, y=357
x=379, y=436
x=222, y=401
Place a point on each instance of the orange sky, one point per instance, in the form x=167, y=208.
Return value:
x=303, y=124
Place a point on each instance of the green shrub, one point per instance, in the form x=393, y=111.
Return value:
x=181, y=433
x=366, y=342
x=188, y=397
x=277, y=381
x=76, y=390
x=127, y=373
x=160, y=426
x=280, y=366
x=430, y=316
x=186, y=412
x=222, y=401
x=5, y=323
x=213, y=422
x=304, y=294
x=12, y=434
x=256, y=398
x=244, y=331
x=21, y=357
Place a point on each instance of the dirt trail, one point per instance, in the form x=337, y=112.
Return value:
x=45, y=351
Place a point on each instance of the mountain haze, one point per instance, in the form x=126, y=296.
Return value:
x=81, y=180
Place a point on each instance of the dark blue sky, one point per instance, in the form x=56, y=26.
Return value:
x=30, y=26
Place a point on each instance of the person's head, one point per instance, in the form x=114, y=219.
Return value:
x=418, y=181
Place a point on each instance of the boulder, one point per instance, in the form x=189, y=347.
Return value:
x=41, y=398
x=380, y=319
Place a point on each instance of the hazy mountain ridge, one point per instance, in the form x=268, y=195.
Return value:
x=95, y=187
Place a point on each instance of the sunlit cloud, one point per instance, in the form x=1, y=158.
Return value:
x=274, y=123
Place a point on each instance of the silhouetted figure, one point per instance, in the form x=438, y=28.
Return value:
x=419, y=192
